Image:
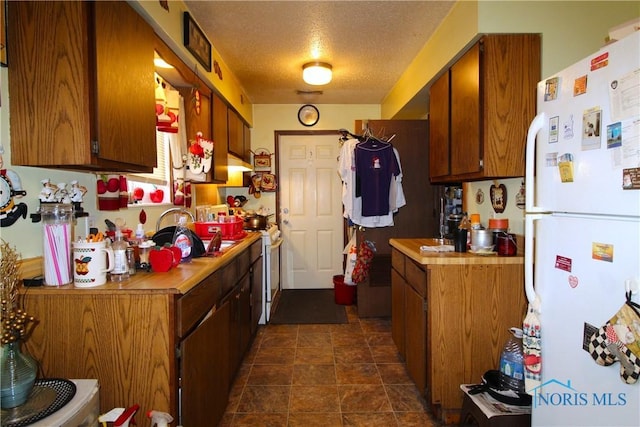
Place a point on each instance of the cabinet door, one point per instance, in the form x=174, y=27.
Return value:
x=50, y=97
x=240, y=323
x=416, y=337
x=125, y=118
x=398, y=286
x=257, y=294
x=220, y=139
x=244, y=314
x=236, y=134
x=465, y=113
x=439, y=127
x=246, y=156
x=204, y=370
x=197, y=112
x=510, y=73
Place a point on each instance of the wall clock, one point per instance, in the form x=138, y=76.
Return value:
x=308, y=115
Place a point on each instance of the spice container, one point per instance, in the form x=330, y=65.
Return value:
x=57, y=220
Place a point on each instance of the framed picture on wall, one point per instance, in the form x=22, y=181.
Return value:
x=196, y=42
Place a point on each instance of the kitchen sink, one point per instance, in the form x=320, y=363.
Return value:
x=225, y=245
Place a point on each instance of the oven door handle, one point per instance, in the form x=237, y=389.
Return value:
x=276, y=245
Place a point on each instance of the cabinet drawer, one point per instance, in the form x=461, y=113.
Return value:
x=416, y=277
x=195, y=304
x=229, y=276
x=398, y=262
x=255, y=250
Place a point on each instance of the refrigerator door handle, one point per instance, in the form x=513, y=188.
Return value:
x=534, y=128
x=532, y=296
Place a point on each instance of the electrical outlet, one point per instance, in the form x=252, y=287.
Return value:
x=589, y=330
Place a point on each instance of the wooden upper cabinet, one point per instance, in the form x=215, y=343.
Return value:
x=491, y=101
x=236, y=134
x=220, y=140
x=197, y=105
x=81, y=86
x=439, y=165
x=247, y=143
x=466, y=139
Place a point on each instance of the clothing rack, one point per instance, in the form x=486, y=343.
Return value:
x=363, y=138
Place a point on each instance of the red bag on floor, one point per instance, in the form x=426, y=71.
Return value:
x=366, y=251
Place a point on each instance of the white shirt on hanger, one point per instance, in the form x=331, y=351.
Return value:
x=352, y=204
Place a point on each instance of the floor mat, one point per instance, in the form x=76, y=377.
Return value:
x=300, y=306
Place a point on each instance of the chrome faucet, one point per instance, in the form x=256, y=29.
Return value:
x=176, y=211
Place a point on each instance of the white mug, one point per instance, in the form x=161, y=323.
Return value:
x=91, y=263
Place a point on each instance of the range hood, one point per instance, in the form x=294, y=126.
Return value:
x=237, y=164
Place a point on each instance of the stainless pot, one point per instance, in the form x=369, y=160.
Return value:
x=482, y=238
x=256, y=222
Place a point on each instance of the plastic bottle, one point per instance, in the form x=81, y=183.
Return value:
x=511, y=363
x=120, y=270
x=140, y=233
x=182, y=240
x=159, y=419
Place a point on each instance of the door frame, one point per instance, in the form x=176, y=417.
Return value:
x=276, y=143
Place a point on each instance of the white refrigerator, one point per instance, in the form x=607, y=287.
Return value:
x=582, y=243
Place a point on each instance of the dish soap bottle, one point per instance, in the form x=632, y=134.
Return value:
x=182, y=240
x=120, y=270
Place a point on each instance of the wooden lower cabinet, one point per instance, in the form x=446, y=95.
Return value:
x=155, y=347
x=450, y=322
x=240, y=327
x=415, y=337
x=204, y=365
x=398, y=287
x=257, y=294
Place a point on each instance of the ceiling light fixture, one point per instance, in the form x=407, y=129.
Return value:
x=316, y=73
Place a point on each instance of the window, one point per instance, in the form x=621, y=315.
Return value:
x=160, y=178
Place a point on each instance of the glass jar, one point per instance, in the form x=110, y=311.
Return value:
x=57, y=223
x=131, y=261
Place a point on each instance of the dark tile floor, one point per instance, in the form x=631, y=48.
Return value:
x=325, y=375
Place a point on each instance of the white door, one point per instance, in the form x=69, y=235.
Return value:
x=310, y=210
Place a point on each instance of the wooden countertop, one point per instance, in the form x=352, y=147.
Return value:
x=178, y=280
x=411, y=248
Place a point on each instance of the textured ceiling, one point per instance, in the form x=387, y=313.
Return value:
x=368, y=43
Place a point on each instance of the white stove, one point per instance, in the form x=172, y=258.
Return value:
x=271, y=241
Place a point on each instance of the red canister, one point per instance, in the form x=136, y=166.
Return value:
x=506, y=244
